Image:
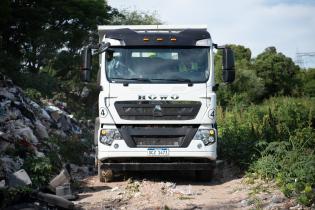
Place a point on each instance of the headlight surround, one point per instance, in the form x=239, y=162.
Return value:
x=107, y=136
x=207, y=136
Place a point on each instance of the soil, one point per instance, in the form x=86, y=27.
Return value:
x=165, y=190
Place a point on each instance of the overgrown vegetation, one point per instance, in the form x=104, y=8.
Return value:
x=266, y=121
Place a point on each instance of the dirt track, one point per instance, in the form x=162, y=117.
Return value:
x=175, y=191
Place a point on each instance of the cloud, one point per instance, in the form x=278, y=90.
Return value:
x=289, y=25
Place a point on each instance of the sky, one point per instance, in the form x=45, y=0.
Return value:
x=289, y=25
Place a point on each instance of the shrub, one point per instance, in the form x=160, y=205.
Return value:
x=39, y=169
x=276, y=139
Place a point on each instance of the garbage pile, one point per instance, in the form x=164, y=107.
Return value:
x=28, y=124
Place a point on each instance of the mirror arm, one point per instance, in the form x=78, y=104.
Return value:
x=216, y=46
x=100, y=48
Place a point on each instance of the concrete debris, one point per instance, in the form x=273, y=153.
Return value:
x=172, y=188
x=65, y=192
x=182, y=190
x=85, y=92
x=2, y=184
x=277, y=198
x=62, y=178
x=27, y=134
x=80, y=172
x=54, y=200
x=27, y=123
x=41, y=130
x=35, y=121
x=9, y=165
x=114, y=189
x=19, y=178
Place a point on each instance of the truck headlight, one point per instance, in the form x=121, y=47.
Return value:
x=207, y=136
x=107, y=136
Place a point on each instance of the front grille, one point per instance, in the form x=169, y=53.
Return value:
x=164, y=141
x=157, y=110
x=157, y=135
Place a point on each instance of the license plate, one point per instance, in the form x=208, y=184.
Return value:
x=158, y=152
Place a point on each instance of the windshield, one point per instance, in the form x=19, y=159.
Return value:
x=155, y=65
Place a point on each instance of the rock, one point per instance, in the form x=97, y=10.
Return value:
x=4, y=145
x=38, y=154
x=84, y=170
x=41, y=130
x=137, y=194
x=65, y=123
x=62, y=178
x=64, y=191
x=27, y=134
x=2, y=184
x=114, y=189
x=60, y=133
x=170, y=185
x=55, y=115
x=183, y=190
x=246, y=202
x=7, y=94
x=76, y=129
x=74, y=168
x=45, y=115
x=277, y=199
x=9, y=165
x=85, y=92
x=19, y=178
x=297, y=207
x=54, y=200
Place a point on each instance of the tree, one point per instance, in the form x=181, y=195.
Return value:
x=34, y=31
x=277, y=71
x=307, y=80
x=247, y=87
x=126, y=17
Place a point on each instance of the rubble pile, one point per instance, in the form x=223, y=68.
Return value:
x=26, y=123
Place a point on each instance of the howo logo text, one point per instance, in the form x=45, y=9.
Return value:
x=158, y=97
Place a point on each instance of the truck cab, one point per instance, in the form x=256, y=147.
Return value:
x=157, y=103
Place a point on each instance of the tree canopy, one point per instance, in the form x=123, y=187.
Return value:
x=39, y=33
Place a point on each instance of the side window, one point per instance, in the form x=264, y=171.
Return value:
x=111, y=55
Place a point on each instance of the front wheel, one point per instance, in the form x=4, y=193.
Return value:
x=106, y=175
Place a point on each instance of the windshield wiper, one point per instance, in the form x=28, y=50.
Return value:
x=190, y=83
x=126, y=81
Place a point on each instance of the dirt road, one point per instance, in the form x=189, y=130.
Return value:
x=175, y=191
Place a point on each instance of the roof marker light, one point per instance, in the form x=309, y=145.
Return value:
x=173, y=39
x=146, y=39
x=204, y=42
x=159, y=39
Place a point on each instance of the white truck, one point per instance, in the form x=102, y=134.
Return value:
x=157, y=100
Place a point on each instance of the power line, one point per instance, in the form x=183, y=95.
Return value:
x=300, y=58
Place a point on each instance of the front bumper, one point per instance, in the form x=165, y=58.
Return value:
x=146, y=166
x=123, y=151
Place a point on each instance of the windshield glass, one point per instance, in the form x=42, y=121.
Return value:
x=154, y=65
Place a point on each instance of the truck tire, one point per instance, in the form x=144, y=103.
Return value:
x=204, y=175
x=106, y=175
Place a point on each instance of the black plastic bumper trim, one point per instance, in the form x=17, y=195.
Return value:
x=158, y=166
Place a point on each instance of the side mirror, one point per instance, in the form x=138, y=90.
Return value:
x=228, y=65
x=86, y=64
x=87, y=59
